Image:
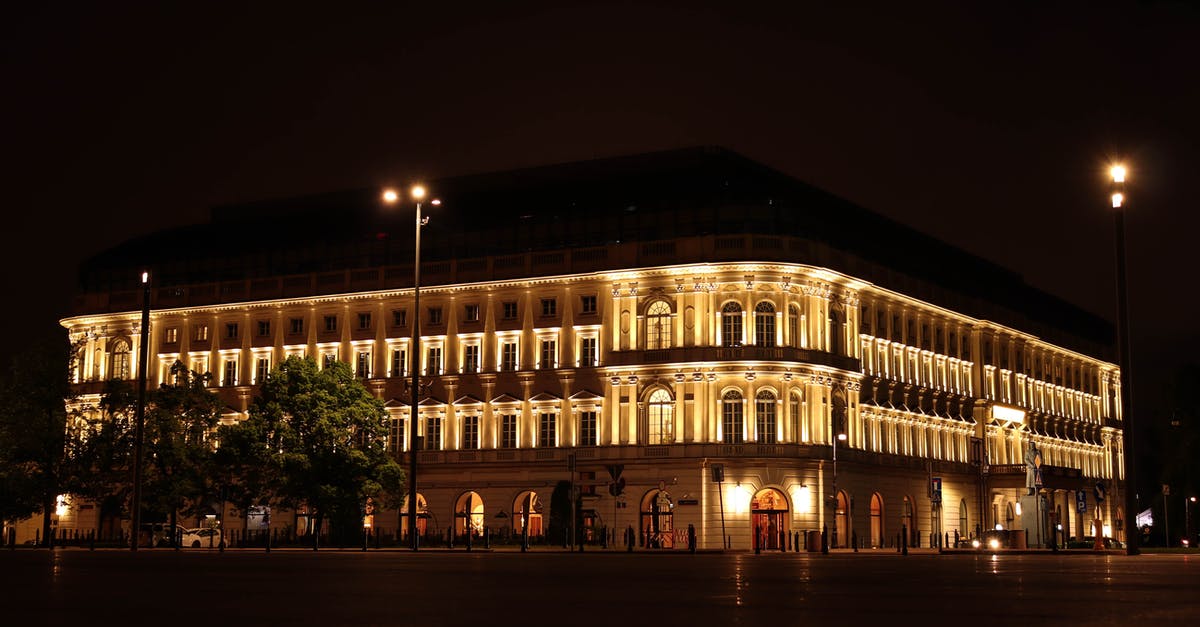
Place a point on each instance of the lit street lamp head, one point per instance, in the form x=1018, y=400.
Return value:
x=390, y=196
x=1118, y=173
x=1117, y=199
x=418, y=192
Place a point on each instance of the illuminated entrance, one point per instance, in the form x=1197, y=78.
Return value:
x=422, y=515
x=527, y=510
x=876, y=521
x=658, y=530
x=841, y=521
x=468, y=515
x=769, y=518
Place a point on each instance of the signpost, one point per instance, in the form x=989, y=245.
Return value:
x=718, y=477
x=1081, y=501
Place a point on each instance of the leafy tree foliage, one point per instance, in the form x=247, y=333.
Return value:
x=325, y=434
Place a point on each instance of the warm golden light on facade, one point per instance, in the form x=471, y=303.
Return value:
x=1118, y=173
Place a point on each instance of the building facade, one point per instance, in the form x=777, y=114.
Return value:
x=707, y=377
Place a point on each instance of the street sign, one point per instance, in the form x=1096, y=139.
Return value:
x=1081, y=501
x=935, y=489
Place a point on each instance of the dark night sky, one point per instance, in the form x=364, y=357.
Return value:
x=990, y=127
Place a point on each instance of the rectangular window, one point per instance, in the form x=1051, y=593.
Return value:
x=230, y=375
x=587, y=304
x=327, y=360
x=587, y=428
x=510, y=310
x=587, y=352
x=398, y=362
x=171, y=335
x=508, y=356
x=399, y=317
x=297, y=325
x=433, y=361
x=549, y=354
x=395, y=434
x=435, y=315
x=261, y=368
x=471, y=358
x=470, y=432
x=364, y=321
x=331, y=323
x=433, y=434
x=546, y=435
x=508, y=431
x=264, y=328
x=549, y=307
x=471, y=313
x=362, y=365
x=201, y=333
x=231, y=330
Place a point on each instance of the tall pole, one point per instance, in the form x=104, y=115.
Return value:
x=1127, y=440
x=835, y=492
x=416, y=385
x=140, y=420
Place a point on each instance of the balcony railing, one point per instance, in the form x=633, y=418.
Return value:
x=694, y=354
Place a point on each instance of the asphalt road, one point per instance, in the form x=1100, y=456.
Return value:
x=202, y=587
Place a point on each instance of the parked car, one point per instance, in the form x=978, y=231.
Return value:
x=202, y=537
x=1088, y=542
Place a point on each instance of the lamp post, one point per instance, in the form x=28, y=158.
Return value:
x=1187, y=520
x=392, y=197
x=1127, y=441
x=834, y=496
x=140, y=420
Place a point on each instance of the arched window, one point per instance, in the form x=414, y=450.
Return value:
x=731, y=324
x=468, y=515
x=658, y=325
x=119, y=365
x=764, y=413
x=732, y=421
x=876, y=520
x=660, y=418
x=963, y=530
x=794, y=326
x=764, y=324
x=527, y=514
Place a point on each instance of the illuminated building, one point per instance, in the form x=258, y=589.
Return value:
x=667, y=313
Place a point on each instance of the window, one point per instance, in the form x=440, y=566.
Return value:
x=362, y=364
x=264, y=328
x=201, y=334
x=471, y=358
x=120, y=360
x=764, y=414
x=364, y=321
x=794, y=325
x=508, y=431
x=433, y=434
x=732, y=425
x=297, y=325
x=331, y=323
x=587, y=304
x=171, y=335
x=731, y=324
x=470, y=432
x=433, y=361
x=660, y=418
x=399, y=317
x=395, y=434
x=435, y=315
x=231, y=330
x=398, y=362
x=764, y=324
x=658, y=325
x=546, y=435
x=510, y=310
x=508, y=356
x=587, y=352
x=262, y=366
x=327, y=360
x=471, y=313
x=230, y=375
x=587, y=428
x=549, y=354
x=549, y=307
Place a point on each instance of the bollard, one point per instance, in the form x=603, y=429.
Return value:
x=796, y=542
x=824, y=540
x=757, y=543
x=487, y=537
x=904, y=539
x=854, y=540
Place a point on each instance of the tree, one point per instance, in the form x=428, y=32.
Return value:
x=244, y=466
x=326, y=436
x=38, y=435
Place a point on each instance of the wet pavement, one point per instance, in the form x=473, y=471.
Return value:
x=331, y=587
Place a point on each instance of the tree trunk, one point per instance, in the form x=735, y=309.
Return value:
x=48, y=503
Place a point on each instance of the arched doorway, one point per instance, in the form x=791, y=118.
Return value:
x=841, y=521
x=527, y=513
x=876, y=521
x=769, y=518
x=468, y=515
x=422, y=515
x=658, y=530
x=963, y=529
x=907, y=520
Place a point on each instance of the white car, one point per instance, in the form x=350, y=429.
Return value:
x=201, y=537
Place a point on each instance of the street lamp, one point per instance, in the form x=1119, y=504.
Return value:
x=1119, y=201
x=836, y=501
x=391, y=197
x=1187, y=520
x=140, y=424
